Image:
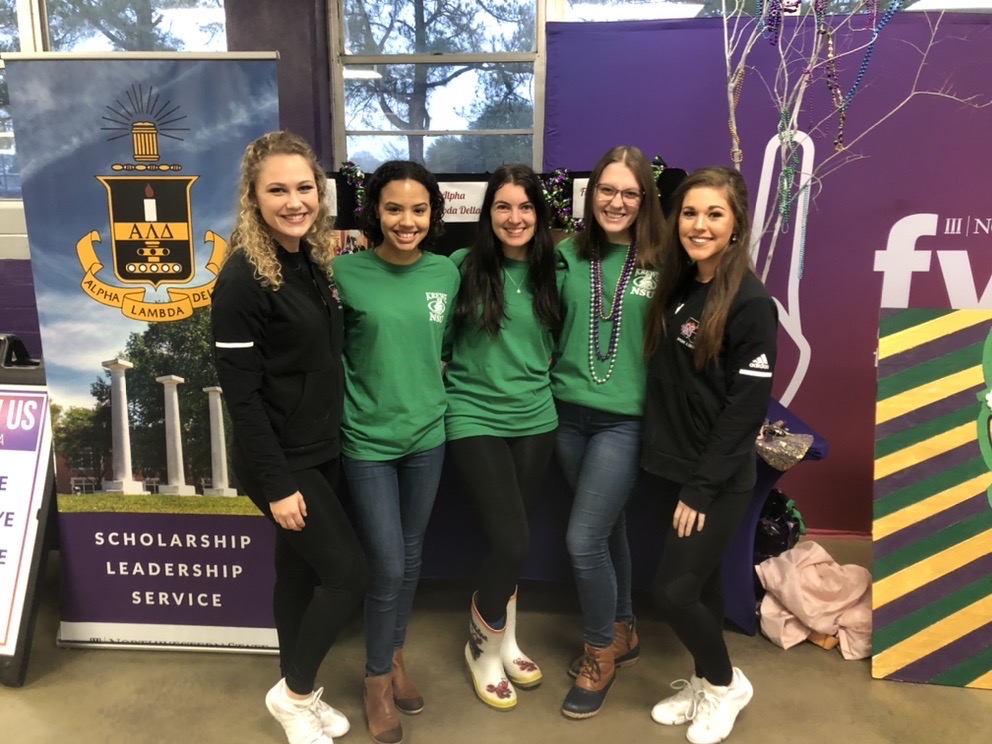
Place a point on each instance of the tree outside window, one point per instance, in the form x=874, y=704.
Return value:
x=470, y=110
x=136, y=25
x=106, y=25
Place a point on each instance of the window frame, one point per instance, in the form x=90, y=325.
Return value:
x=340, y=60
x=32, y=25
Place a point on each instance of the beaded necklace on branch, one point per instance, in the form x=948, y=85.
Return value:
x=736, y=154
x=894, y=8
x=841, y=101
x=613, y=315
x=771, y=20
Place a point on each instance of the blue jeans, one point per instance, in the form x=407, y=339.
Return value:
x=392, y=501
x=599, y=453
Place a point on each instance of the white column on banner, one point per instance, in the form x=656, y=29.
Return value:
x=218, y=446
x=123, y=481
x=173, y=439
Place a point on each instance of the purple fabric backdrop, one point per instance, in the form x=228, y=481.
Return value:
x=18, y=314
x=926, y=171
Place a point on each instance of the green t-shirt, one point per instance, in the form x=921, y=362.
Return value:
x=395, y=319
x=571, y=378
x=500, y=386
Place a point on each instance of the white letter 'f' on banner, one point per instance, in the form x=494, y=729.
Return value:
x=900, y=259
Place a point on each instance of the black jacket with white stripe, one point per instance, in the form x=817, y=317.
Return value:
x=278, y=357
x=700, y=425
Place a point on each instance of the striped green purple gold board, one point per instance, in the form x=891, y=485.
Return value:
x=932, y=528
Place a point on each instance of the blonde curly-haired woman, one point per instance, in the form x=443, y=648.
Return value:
x=278, y=334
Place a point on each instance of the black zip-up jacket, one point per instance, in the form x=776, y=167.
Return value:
x=700, y=425
x=278, y=357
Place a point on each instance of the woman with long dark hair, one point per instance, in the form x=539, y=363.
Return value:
x=501, y=418
x=711, y=344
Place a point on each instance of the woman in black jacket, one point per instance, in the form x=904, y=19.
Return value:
x=278, y=334
x=710, y=342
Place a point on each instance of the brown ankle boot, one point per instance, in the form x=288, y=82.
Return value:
x=595, y=679
x=405, y=694
x=380, y=712
x=626, y=647
x=626, y=644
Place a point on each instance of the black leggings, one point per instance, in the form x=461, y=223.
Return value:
x=502, y=476
x=321, y=574
x=687, y=586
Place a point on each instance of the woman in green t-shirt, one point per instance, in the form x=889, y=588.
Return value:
x=501, y=418
x=396, y=300
x=599, y=384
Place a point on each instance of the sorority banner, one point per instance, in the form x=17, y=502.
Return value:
x=130, y=168
x=900, y=218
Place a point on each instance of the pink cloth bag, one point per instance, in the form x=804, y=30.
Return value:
x=809, y=591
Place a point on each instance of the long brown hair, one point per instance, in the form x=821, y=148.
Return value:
x=649, y=224
x=251, y=235
x=677, y=269
x=481, y=302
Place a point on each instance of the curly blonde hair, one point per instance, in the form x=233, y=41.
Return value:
x=251, y=235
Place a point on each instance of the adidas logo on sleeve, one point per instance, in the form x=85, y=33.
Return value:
x=758, y=367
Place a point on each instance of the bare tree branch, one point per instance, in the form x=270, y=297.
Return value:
x=809, y=49
x=806, y=48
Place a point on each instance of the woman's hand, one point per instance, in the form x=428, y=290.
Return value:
x=289, y=512
x=685, y=519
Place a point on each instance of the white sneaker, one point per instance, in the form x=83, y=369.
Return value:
x=717, y=709
x=679, y=708
x=298, y=717
x=333, y=722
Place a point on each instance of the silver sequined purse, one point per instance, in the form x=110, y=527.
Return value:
x=779, y=447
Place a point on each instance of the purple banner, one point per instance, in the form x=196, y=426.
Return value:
x=901, y=218
x=17, y=305
x=20, y=420
x=180, y=569
x=25, y=443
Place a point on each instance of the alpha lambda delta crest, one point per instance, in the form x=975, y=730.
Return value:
x=151, y=227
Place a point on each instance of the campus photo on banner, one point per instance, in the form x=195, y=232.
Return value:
x=130, y=168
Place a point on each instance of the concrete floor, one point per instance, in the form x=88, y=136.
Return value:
x=804, y=695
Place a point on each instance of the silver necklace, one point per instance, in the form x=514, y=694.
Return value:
x=513, y=281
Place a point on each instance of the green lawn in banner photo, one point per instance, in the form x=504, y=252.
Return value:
x=150, y=504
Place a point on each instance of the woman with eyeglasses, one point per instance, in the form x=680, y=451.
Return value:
x=711, y=345
x=501, y=418
x=598, y=383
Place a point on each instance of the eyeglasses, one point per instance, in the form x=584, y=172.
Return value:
x=609, y=193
